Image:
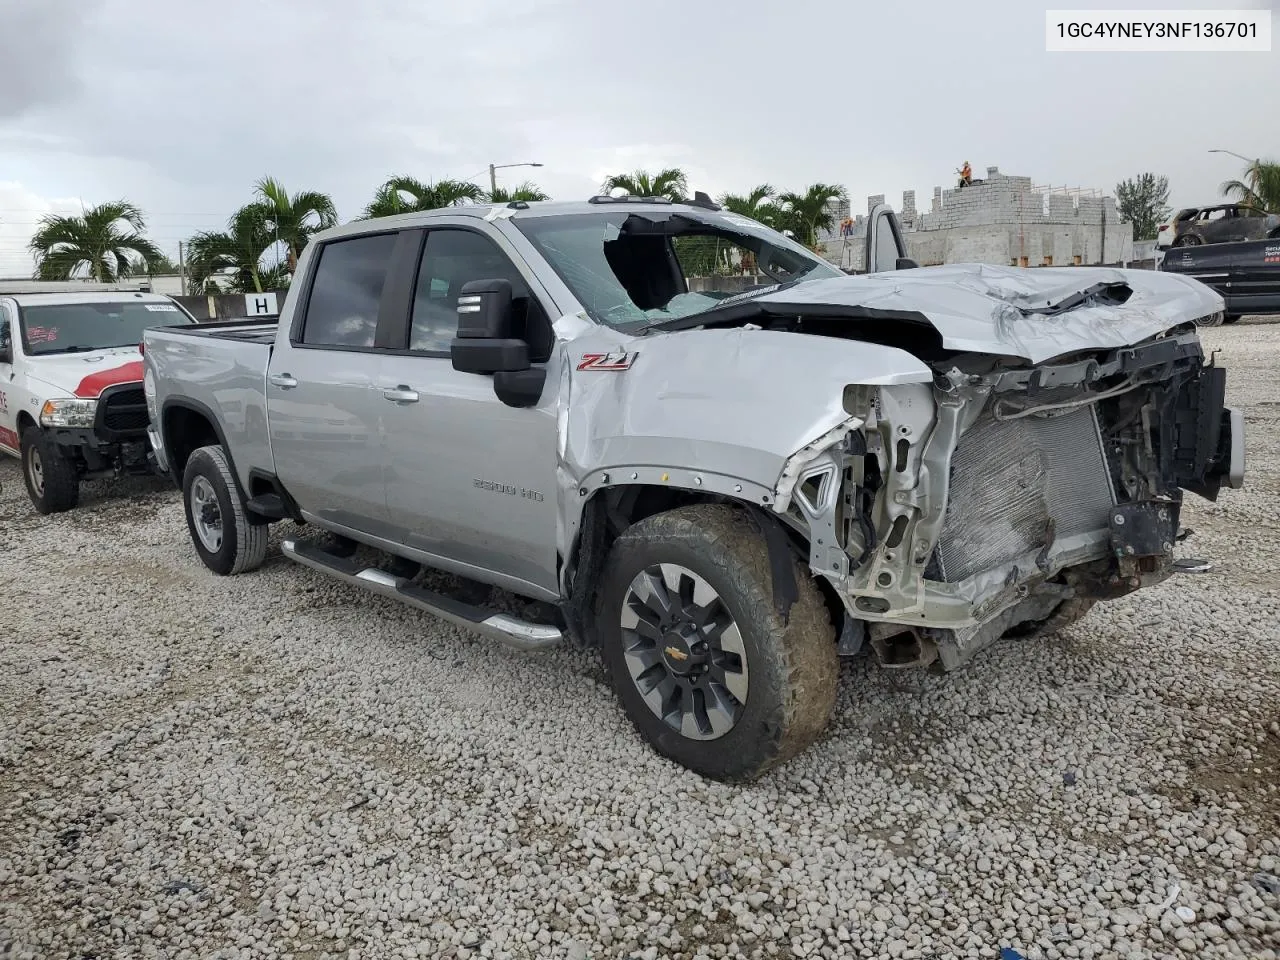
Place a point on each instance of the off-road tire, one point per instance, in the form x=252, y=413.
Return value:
x=793, y=665
x=244, y=544
x=61, y=479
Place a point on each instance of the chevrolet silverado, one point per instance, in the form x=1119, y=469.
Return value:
x=724, y=490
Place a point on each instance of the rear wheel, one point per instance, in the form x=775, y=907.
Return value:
x=220, y=529
x=706, y=669
x=53, y=482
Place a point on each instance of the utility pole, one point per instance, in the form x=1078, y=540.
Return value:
x=182, y=269
x=1102, y=254
x=493, y=180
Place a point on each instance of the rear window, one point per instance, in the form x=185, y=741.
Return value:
x=76, y=327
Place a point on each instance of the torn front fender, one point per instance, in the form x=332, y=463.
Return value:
x=734, y=402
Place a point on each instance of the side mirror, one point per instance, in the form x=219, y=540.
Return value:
x=485, y=343
x=905, y=263
x=485, y=325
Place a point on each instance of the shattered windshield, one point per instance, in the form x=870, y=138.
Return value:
x=631, y=268
x=73, y=327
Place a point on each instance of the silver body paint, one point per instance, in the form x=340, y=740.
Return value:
x=766, y=418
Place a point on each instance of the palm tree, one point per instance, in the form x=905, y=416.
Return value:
x=670, y=183
x=758, y=204
x=1260, y=187
x=805, y=214
x=160, y=266
x=404, y=194
x=234, y=255
x=293, y=219
x=527, y=191
x=95, y=242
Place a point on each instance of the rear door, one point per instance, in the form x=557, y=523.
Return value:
x=1255, y=277
x=322, y=410
x=470, y=481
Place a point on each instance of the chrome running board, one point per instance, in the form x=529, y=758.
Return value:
x=508, y=630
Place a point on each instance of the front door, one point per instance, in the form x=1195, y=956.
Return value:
x=470, y=481
x=9, y=440
x=322, y=410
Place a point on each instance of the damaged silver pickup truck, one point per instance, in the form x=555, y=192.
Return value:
x=724, y=492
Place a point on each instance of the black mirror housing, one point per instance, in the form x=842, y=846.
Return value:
x=489, y=356
x=905, y=263
x=485, y=311
x=520, y=388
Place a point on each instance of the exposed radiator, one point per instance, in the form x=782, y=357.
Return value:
x=1009, y=478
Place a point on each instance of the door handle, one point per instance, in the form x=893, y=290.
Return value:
x=283, y=380
x=401, y=394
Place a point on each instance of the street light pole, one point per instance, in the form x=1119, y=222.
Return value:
x=493, y=176
x=1234, y=154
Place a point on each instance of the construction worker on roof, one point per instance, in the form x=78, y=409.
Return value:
x=966, y=174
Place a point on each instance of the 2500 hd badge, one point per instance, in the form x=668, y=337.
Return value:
x=509, y=489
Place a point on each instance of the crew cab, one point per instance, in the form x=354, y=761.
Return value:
x=71, y=402
x=724, y=491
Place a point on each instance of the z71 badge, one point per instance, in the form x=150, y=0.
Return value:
x=607, y=361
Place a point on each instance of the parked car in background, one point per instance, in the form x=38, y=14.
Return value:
x=722, y=491
x=1245, y=275
x=1223, y=223
x=71, y=400
x=1165, y=232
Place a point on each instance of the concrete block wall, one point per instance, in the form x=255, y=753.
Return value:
x=1000, y=219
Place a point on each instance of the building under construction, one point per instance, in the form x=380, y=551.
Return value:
x=999, y=219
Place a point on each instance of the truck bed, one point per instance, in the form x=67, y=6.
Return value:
x=248, y=330
x=219, y=371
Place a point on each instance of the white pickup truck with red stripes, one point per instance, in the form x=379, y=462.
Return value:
x=71, y=398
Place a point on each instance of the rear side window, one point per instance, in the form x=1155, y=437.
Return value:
x=342, y=308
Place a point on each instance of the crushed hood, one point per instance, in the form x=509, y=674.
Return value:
x=1034, y=314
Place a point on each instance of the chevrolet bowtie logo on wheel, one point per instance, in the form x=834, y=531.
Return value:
x=675, y=653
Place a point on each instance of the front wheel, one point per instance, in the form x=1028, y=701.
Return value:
x=220, y=529
x=53, y=483
x=707, y=670
x=1188, y=240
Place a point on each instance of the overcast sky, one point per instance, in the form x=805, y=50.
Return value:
x=179, y=106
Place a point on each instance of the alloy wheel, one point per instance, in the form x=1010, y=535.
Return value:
x=684, y=651
x=206, y=515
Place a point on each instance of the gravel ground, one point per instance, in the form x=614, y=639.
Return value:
x=279, y=766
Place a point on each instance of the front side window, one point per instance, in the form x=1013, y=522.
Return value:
x=77, y=327
x=452, y=258
x=342, y=308
x=633, y=268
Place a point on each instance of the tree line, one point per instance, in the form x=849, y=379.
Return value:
x=259, y=247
